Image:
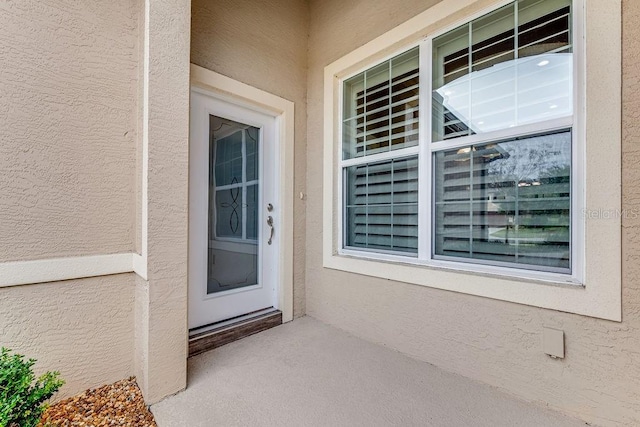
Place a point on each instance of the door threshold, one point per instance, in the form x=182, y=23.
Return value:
x=217, y=334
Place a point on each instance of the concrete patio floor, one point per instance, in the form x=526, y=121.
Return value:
x=306, y=373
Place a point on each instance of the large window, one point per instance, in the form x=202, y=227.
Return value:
x=484, y=156
x=475, y=164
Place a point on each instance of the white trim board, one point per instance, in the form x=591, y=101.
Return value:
x=140, y=260
x=139, y=264
x=255, y=99
x=57, y=269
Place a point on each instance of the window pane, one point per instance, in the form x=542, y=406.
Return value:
x=229, y=159
x=232, y=213
x=504, y=69
x=252, y=135
x=380, y=107
x=507, y=202
x=382, y=205
x=232, y=202
x=544, y=27
x=493, y=38
x=252, y=212
x=229, y=212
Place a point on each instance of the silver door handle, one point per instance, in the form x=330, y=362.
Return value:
x=270, y=224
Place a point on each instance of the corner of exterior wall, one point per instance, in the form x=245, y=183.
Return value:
x=161, y=299
x=139, y=117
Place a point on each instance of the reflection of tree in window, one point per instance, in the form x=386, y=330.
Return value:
x=506, y=201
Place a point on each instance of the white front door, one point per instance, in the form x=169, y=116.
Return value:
x=233, y=207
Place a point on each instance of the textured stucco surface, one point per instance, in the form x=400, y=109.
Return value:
x=161, y=300
x=72, y=98
x=327, y=377
x=67, y=140
x=263, y=44
x=82, y=328
x=68, y=80
x=495, y=342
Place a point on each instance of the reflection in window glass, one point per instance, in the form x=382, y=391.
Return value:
x=234, y=185
x=228, y=169
x=252, y=135
x=252, y=212
x=232, y=258
x=511, y=67
x=229, y=212
x=507, y=202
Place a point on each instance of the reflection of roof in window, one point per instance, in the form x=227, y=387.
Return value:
x=512, y=93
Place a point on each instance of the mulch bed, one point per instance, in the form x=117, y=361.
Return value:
x=117, y=404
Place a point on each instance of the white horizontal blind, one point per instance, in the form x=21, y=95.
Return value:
x=380, y=114
x=381, y=107
x=382, y=205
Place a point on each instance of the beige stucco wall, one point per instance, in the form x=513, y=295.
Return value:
x=67, y=108
x=263, y=44
x=492, y=341
x=161, y=297
x=82, y=328
x=68, y=79
x=94, y=150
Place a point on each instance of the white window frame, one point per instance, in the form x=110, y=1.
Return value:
x=594, y=287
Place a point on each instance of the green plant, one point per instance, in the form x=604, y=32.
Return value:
x=22, y=396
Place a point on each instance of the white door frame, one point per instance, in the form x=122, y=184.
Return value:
x=282, y=110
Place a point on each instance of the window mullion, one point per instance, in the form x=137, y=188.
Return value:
x=424, y=156
x=366, y=207
x=502, y=134
x=515, y=51
x=578, y=176
x=364, y=117
x=516, y=31
x=380, y=157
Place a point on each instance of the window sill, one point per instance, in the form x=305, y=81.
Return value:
x=544, y=290
x=509, y=273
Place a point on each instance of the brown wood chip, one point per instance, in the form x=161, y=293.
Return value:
x=117, y=404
